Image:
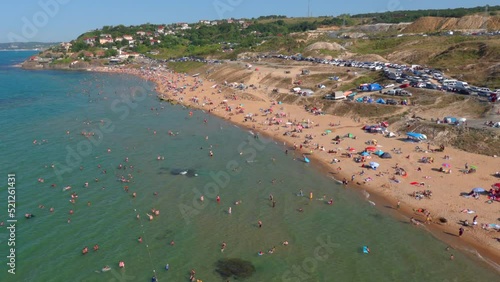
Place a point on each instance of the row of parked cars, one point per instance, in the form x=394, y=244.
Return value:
x=375, y=66
x=407, y=76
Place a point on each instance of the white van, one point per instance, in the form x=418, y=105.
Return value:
x=461, y=85
x=449, y=82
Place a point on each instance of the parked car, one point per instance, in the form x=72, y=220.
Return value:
x=391, y=92
x=431, y=86
x=404, y=85
x=474, y=88
x=405, y=93
x=391, y=102
x=464, y=91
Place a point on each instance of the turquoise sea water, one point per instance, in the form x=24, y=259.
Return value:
x=325, y=242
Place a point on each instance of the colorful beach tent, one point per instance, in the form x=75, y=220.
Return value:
x=386, y=156
x=416, y=136
x=364, y=154
x=379, y=153
x=374, y=87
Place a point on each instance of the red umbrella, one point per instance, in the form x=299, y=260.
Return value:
x=370, y=149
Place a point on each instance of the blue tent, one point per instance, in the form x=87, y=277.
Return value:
x=364, y=154
x=380, y=101
x=360, y=100
x=450, y=119
x=370, y=100
x=379, y=153
x=416, y=136
x=374, y=87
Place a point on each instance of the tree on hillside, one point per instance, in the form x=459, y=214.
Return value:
x=78, y=46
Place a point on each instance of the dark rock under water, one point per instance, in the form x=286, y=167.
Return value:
x=234, y=267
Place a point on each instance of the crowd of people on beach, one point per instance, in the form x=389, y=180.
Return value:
x=192, y=91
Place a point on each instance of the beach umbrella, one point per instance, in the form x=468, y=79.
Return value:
x=478, y=190
x=352, y=149
x=370, y=149
x=447, y=165
x=374, y=164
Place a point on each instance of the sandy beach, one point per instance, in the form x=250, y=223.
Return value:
x=401, y=183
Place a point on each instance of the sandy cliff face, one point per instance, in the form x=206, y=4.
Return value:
x=473, y=22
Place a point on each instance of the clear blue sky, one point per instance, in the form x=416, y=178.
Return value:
x=63, y=20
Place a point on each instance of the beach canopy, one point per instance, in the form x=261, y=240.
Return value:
x=391, y=134
x=478, y=190
x=416, y=136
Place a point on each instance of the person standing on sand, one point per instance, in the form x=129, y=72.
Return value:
x=460, y=232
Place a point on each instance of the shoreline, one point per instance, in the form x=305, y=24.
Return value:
x=481, y=249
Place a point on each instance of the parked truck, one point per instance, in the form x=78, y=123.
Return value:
x=337, y=95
